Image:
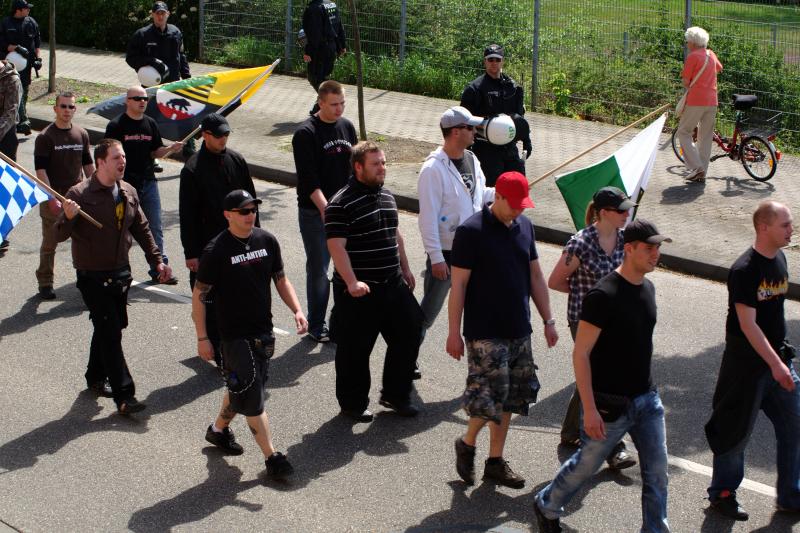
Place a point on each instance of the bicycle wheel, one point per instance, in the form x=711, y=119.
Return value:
x=676, y=146
x=758, y=158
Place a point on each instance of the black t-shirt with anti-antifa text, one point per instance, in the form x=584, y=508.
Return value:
x=626, y=316
x=762, y=283
x=241, y=281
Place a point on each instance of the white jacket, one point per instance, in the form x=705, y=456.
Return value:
x=445, y=202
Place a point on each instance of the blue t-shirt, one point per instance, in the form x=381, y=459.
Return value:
x=499, y=257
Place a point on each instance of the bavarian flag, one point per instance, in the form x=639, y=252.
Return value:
x=179, y=106
x=628, y=169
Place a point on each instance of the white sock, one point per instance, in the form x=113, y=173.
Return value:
x=215, y=429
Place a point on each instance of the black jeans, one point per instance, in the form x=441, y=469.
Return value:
x=106, y=295
x=9, y=143
x=321, y=65
x=391, y=310
x=497, y=159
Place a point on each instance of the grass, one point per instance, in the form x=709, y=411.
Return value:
x=86, y=92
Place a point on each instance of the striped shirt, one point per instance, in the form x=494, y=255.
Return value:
x=367, y=218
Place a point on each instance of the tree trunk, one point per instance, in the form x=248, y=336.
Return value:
x=51, y=38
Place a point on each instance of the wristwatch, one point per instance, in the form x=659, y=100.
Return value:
x=549, y=322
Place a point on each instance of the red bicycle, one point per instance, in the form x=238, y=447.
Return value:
x=751, y=142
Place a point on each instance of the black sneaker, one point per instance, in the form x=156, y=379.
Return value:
x=621, y=459
x=278, y=466
x=4, y=245
x=497, y=470
x=46, y=292
x=24, y=129
x=417, y=374
x=157, y=168
x=101, y=388
x=358, y=416
x=130, y=406
x=465, y=461
x=728, y=506
x=402, y=409
x=546, y=525
x=321, y=337
x=224, y=440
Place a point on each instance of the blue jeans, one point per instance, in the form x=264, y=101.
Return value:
x=434, y=295
x=150, y=201
x=783, y=409
x=318, y=287
x=644, y=421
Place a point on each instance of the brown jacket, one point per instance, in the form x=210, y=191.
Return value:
x=10, y=93
x=106, y=248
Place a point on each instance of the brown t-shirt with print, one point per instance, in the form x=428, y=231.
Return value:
x=62, y=153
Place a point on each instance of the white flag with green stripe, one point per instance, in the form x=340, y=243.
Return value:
x=628, y=169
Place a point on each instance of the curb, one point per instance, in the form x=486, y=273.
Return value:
x=693, y=267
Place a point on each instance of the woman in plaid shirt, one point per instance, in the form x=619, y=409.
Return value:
x=589, y=255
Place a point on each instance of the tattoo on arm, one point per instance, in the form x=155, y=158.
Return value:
x=277, y=276
x=568, y=259
x=204, y=289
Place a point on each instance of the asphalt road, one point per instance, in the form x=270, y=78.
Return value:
x=68, y=462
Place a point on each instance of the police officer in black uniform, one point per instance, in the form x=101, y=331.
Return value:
x=488, y=95
x=19, y=33
x=160, y=45
x=325, y=41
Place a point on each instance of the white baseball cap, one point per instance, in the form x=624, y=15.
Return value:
x=459, y=116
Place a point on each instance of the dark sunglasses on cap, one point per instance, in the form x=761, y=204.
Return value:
x=246, y=211
x=138, y=98
x=66, y=106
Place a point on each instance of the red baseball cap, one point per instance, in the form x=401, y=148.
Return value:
x=514, y=188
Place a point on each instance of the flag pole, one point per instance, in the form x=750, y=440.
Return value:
x=46, y=187
x=230, y=102
x=626, y=128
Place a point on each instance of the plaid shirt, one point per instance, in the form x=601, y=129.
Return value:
x=595, y=264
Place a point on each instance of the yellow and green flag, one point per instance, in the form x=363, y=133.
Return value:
x=179, y=106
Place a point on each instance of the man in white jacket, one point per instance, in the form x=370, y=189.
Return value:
x=451, y=188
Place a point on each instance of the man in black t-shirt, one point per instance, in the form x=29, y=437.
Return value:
x=321, y=147
x=757, y=370
x=142, y=143
x=239, y=263
x=495, y=272
x=616, y=331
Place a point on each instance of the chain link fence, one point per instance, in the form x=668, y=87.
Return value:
x=606, y=60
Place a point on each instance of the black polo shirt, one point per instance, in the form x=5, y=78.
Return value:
x=367, y=218
x=499, y=288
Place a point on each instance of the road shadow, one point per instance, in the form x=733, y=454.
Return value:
x=68, y=303
x=334, y=444
x=280, y=129
x=683, y=193
x=25, y=450
x=221, y=489
x=206, y=379
x=287, y=369
x=740, y=186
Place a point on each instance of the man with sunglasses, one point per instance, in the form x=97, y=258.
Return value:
x=210, y=174
x=60, y=153
x=451, y=188
x=19, y=33
x=488, y=95
x=142, y=143
x=239, y=264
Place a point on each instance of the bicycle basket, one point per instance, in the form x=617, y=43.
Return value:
x=760, y=122
x=743, y=102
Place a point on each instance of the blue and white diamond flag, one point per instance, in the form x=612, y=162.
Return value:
x=18, y=194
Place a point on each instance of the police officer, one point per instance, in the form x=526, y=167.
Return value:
x=324, y=41
x=160, y=45
x=19, y=33
x=487, y=96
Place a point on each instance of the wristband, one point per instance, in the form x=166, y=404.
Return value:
x=549, y=322
x=201, y=339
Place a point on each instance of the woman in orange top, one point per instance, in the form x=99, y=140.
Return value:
x=701, y=103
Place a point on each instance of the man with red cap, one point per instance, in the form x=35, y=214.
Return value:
x=494, y=271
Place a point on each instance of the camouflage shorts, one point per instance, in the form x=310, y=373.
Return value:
x=502, y=378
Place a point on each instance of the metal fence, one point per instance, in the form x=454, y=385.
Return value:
x=606, y=60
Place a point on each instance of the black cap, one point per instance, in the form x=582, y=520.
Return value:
x=612, y=198
x=238, y=199
x=20, y=4
x=159, y=6
x=215, y=124
x=644, y=231
x=494, y=50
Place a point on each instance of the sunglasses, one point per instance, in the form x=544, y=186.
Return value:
x=138, y=98
x=493, y=59
x=618, y=211
x=220, y=136
x=66, y=106
x=465, y=127
x=246, y=211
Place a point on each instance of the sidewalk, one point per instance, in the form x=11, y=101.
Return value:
x=711, y=224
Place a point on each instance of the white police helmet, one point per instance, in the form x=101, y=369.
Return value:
x=18, y=60
x=149, y=76
x=498, y=130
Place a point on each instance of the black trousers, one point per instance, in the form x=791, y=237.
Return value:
x=9, y=143
x=106, y=296
x=321, y=65
x=497, y=159
x=391, y=310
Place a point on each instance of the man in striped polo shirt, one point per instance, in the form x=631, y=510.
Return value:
x=372, y=289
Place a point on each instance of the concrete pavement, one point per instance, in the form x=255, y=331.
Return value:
x=710, y=223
